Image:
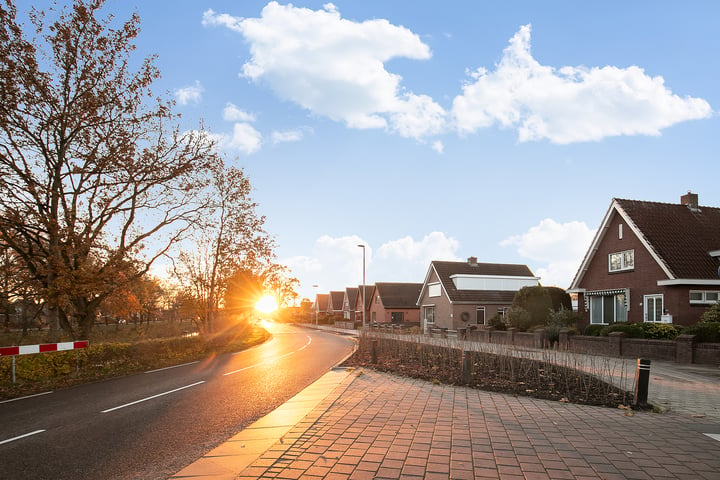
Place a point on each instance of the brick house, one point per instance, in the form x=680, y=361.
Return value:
x=651, y=262
x=320, y=306
x=461, y=294
x=366, y=293
x=395, y=303
x=335, y=305
x=349, y=302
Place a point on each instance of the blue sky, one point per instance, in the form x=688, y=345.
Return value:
x=430, y=131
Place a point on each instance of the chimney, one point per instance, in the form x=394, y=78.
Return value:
x=472, y=261
x=691, y=201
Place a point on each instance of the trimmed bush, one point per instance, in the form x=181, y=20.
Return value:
x=660, y=331
x=711, y=315
x=593, y=330
x=557, y=320
x=632, y=330
x=707, y=332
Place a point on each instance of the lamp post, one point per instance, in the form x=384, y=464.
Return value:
x=363, y=285
x=317, y=306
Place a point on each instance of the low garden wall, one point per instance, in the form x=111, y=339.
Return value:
x=682, y=350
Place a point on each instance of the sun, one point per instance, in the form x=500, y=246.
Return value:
x=266, y=304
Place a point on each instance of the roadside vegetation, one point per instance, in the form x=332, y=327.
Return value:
x=120, y=350
x=549, y=376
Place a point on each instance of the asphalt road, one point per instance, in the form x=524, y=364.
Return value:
x=151, y=425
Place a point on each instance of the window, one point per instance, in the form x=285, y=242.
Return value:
x=620, y=261
x=480, y=315
x=606, y=309
x=396, y=317
x=653, y=308
x=704, y=297
x=377, y=299
x=434, y=290
x=374, y=316
x=620, y=231
x=429, y=314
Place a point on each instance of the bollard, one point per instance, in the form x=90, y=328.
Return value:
x=466, y=367
x=642, y=379
x=373, y=351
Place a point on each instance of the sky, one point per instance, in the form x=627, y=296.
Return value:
x=439, y=131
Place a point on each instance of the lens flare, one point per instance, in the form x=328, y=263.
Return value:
x=266, y=304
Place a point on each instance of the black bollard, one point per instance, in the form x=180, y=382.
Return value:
x=466, y=367
x=642, y=379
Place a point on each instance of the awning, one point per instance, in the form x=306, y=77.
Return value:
x=608, y=293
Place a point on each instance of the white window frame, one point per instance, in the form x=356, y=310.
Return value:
x=616, y=304
x=704, y=300
x=646, y=311
x=624, y=264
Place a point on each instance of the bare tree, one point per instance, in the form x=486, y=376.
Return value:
x=231, y=236
x=95, y=175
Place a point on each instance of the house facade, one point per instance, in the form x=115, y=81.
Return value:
x=335, y=305
x=349, y=302
x=395, y=303
x=461, y=294
x=364, y=293
x=320, y=306
x=651, y=262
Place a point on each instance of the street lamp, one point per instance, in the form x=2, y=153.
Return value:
x=317, y=305
x=363, y=285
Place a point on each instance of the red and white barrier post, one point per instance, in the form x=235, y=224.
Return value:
x=43, y=348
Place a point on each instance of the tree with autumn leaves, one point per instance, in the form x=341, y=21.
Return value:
x=97, y=180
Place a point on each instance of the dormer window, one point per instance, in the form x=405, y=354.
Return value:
x=621, y=261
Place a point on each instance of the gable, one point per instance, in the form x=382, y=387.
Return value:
x=680, y=240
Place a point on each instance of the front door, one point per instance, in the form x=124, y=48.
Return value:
x=653, y=308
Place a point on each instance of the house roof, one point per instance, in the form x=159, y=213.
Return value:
x=399, y=295
x=336, y=301
x=682, y=240
x=368, y=295
x=321, y=301
x=352, y=295
x=681, y=237
x=445, y=270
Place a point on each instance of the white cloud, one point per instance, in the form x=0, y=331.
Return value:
x=569, y=104
x=191, y=94
x=336, y=262
x=335, y=67
x=438, y=146
x=231, y=113
x=407, y=259
x=287, y=136
x=557, y=247
x=244, y=139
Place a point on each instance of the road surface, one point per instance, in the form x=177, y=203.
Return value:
x=151, y=425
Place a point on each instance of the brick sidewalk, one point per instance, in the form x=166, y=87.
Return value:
x=387, y=427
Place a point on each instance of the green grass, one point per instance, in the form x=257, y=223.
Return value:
x=116, y=353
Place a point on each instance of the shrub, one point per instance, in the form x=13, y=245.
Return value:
x=660, y=331
x=536, y=301
x=707, y=332
x=593, y=330
x=557, y=320
x=559, y=299
x=498, y=322
x=520, y=318
x=711, y=315
x=632, y=330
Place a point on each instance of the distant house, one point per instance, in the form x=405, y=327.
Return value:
x=349, y=301
x=335, y=305
x=395, y=303
x=651, y=262
x=364, y=292
x=320, y=305
x=460, y=294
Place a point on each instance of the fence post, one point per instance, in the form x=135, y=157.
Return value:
x=642, y=379
x=466, y=367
